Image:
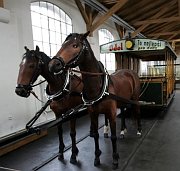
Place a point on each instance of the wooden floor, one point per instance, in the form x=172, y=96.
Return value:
x=157, y=150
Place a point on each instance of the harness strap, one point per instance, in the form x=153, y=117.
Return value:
x=122, y=99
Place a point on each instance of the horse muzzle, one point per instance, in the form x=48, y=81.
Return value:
x=56, y=65
x=23, y=90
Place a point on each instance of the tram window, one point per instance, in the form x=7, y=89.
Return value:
x=152, y=68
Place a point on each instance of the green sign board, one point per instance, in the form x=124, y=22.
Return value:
x=139, y=45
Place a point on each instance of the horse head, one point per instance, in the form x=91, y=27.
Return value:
x=69, y=54
x=29, y=70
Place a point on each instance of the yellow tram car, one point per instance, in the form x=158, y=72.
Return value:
x=154, y=61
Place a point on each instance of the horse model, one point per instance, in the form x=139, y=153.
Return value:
x=102, y=93
x=35, y=63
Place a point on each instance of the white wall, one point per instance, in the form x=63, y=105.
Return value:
x=16, y=111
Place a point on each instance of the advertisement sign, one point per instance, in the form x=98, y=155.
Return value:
x=139, y=45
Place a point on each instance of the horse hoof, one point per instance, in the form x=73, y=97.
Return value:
x=139, y=134
x=106, y=135
x=91, y=134
x=115, y=166
x=97, y=162
x=122, y=136
x=73, y=160
x=60, y=157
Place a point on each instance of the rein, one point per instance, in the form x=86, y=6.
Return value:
x=38, y=83
x=88, y=73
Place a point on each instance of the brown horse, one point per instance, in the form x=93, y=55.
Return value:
x=35, y=63
x=125, y=84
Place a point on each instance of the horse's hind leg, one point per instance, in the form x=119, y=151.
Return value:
x=61, y=143
x=94, y=121
x=123, y=124
x=106, y=127
x=73, y=139
x=136, y=110
x=114, y=141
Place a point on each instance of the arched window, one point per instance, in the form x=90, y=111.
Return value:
x=50, y=25
x=108, y=59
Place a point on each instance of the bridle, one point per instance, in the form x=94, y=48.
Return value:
x=73, y=62
x=31, y=84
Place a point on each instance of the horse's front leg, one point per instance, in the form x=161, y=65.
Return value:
x=136, y=110
x=61, y=143
x=106, y=127
x=94, y=121
x=115, y=155
x=73, y=139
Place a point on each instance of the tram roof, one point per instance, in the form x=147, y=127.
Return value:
x=142, y=48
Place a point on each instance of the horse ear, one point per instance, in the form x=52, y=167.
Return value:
x=86, y=34
x=25, y=47
x=37, y=48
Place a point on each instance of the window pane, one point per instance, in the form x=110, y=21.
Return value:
x=56, y=13
x=36, y=20
x=63, y=37
x=43, y=8
x=107, y=59
x=50, y=10
x=58, y=38
x=44, y=22
x=68, y=20
x=69, y=29
x=62, y=15
x=52, y=37
x=57, y=26
x=46, y=48
x=51, y=24
x=45, y=35
x=63, y=27
x=37, y=33
x=35, y=7
x=53, y=50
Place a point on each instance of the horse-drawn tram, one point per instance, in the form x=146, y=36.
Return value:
x=153, y=60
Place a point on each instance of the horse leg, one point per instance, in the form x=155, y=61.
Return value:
x=136, y=109
x=61, y=143
x=123, y=124
x=91, y=133
x=73, y=139
x=94, y=121
x=106, y=128
x=114, y=141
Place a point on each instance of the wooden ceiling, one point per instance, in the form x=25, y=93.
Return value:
x=159, y=19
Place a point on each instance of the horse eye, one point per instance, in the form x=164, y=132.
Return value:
x=75, y=46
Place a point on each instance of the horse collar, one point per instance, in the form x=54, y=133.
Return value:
x=104, y=91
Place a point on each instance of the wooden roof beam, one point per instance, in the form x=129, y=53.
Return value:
x=120, y=31
x=109, y=13
x=164, y=9
x=82, y=11
x=159, y=20
x=164, y=33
